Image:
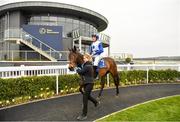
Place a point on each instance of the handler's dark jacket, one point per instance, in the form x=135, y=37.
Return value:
x=87, y=72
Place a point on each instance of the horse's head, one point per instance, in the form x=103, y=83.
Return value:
x=75, y=58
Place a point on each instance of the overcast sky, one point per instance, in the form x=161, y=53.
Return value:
x=145, y=28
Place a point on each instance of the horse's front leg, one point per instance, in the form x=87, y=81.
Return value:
x=102, y=86
x=81, y=85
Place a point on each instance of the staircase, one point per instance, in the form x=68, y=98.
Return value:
x=20, y=36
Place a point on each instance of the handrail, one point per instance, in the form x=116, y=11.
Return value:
x=21, y=34
x=23, y=31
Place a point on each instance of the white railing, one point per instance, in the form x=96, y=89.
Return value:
x=24, y=71
x=149, y=67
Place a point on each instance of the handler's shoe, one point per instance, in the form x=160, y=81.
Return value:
x=96, y=78
x=97, y=104
x=81, y=117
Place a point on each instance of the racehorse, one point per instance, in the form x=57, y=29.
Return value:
x=76, y=60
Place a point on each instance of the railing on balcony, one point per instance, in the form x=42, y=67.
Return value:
x=80, y=32
x=25, y=55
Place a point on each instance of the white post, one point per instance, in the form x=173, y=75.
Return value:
x=128, y=66
x=147, y=78
x=80, y=45
x=12, y=56
x=57, y=83
x=22, y=72
x=179, y=67
x=73, y=43
x=154, y=67
x=25, y=55
x=108, y=83
x=67, y=69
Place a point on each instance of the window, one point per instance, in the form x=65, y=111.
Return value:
x=36, y=18
x=75, y=26
x=2, y=27
x=53, y=18
x=61, y=19
x=68, y=24
x=68, y=20
x=45, y=18
x=76, y=21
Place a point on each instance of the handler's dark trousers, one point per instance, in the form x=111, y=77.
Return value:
x=87, y=96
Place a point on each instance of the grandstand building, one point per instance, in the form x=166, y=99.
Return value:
x=43, y=31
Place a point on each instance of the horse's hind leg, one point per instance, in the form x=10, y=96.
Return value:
x=116, y=82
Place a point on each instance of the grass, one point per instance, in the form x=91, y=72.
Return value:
x=167, y=109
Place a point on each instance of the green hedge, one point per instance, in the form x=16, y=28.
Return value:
x=159, y=76
x=140, y=77
x=28, y=88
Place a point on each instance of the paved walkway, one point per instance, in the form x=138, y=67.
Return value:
x=69, y=107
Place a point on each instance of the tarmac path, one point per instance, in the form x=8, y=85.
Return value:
x=67, y=108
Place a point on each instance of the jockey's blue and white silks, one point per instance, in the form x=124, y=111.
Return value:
x=96, y=49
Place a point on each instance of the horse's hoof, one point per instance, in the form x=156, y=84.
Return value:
x=116, y=96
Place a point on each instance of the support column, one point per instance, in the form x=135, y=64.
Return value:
x=80, y=44
x=108, y=79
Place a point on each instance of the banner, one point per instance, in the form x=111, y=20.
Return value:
x=50, y=35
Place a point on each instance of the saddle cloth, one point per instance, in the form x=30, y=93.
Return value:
x=102, y=63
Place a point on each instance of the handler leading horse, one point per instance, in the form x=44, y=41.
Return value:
x=76, y=60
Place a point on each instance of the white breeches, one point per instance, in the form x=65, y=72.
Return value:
x=96, y=60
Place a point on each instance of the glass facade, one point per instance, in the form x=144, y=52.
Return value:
x=10, y=21
x=69, y=24
x=2, y=27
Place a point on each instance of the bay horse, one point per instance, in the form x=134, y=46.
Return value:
x=76, y=60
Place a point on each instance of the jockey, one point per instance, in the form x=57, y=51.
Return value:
x=96, y=50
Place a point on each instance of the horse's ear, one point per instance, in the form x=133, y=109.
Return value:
x=75, y=49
